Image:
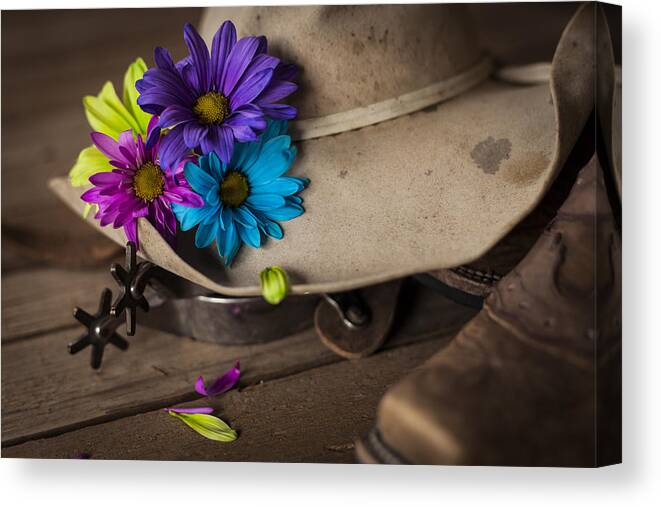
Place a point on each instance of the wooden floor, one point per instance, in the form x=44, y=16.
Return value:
x=296, y=401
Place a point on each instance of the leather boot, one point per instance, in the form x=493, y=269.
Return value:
x=535, y=378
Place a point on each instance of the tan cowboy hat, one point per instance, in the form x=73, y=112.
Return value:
x=418, y=158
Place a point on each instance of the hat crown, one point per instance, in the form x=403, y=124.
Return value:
x=353, y=56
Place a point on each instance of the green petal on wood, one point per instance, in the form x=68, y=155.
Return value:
x=130, y=97
x=208, y=426
x=90, y=161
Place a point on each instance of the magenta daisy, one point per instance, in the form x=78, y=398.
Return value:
x=138, y=187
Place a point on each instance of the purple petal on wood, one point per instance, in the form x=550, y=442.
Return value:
x=200, y=387
x=191, y=410
x=222, y=384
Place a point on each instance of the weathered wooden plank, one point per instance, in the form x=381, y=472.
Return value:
x=46, y=391
x=314, y=416
x=41, y=300
x=82, y=248
x=105, y=42
x=41, y=35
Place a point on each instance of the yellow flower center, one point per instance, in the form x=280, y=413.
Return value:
x=148, y=182
x=234, y=189
x=211, y=108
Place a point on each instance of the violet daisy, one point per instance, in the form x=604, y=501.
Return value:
x=137, y=187
x=211, y=101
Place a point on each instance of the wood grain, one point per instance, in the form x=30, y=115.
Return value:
x=45, y=391
x=41, y=300
x=314, y=416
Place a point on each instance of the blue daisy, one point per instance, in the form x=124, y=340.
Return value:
x=245, y=199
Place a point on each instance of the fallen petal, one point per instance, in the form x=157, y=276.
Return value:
x=222, y=384
x=208, y=426
x=191, y=410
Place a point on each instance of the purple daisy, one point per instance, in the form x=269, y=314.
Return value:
x=138, y=187
x=211, y=101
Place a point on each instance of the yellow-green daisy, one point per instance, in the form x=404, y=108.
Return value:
x=107, y=114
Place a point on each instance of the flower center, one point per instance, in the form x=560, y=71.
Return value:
x=211, y=108
x=148, y=182
x=234, y=189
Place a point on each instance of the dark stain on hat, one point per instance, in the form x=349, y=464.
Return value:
x=488, y=154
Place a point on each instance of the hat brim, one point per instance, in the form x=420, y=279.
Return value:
x=431, y=190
